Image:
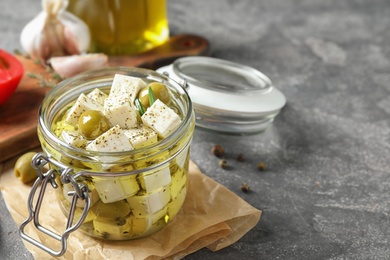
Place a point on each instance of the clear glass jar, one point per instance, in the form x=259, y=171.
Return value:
x=123, y=27
x=132, y=193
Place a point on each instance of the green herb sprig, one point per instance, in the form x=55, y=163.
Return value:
x=151, y=96
x=139, y=106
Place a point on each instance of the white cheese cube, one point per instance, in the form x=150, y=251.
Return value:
x=126, y=86
x=155, y=179
x=120, y=112
x=161, y=118
x=116, y=188
x=82, y=104
x=98, y=95
x=161, y=214
x=73, y=138
x=158, y=200
x=113, y=140
x=149, y=203
x=141, y=137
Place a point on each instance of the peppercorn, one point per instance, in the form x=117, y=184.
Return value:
x=240, y=158
x=223, y=164
x=217, y=150
x=245, y=187
x=261, y=166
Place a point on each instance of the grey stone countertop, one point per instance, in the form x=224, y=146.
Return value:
x=326, y=191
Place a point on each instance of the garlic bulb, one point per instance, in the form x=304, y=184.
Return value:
x=55, y=32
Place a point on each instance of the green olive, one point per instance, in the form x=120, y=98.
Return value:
x=160, y=91
x=23, y=169
x=93, y=123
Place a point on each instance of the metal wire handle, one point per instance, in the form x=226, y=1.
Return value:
x=80, y=192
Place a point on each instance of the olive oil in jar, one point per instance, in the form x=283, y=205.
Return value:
x=123, y=27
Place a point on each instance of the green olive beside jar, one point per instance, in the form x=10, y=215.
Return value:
x=23, y=169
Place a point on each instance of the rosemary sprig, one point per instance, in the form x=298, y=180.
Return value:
x=139, y=106
x=42, y=81
x=151, y=96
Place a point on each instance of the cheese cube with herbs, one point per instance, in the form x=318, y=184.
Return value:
x=156, y=179
x=113, y=140
x=119, y=106
x=116, y=188
x=149, y=203
x=73, y=138
x=161, y=119
x=120, y=111
x=98, y=95
x=126, y=87
x=141, y=137
x=82, y=104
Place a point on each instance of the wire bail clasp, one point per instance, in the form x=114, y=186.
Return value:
x=80, y=192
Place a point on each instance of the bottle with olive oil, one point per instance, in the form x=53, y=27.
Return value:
x=123, y=27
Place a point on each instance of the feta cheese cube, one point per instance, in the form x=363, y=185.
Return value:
x=157, y=200
x=141, y=136
x=126, y=86
x=155, y=179
x=113, y=140
x=161, y=119
x=98, y=95
x=120, y=111
x=148, y=203
x=116, y=188
x=82, y=104
x=73, y=138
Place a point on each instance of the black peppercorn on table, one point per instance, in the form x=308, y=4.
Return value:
x=320, y=173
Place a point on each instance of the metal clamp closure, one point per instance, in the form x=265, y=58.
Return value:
x=80, y=192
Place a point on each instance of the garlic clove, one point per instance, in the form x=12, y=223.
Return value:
x=67, y=66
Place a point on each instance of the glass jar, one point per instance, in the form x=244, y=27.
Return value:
x=129, y=194
x=123, y=27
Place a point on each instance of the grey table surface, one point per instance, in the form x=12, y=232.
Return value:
x=326, y=191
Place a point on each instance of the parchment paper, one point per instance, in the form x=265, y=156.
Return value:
x=212, y=216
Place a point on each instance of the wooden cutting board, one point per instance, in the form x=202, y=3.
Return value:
x=19, y=115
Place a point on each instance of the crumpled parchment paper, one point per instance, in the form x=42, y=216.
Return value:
x=212, y=216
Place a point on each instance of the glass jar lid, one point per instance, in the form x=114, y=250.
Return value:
x=227, y=97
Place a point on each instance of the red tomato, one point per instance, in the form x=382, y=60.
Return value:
x=11, y=72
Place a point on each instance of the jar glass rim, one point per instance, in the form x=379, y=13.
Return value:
x=222, y=75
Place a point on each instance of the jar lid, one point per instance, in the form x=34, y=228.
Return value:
x=227, y=97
